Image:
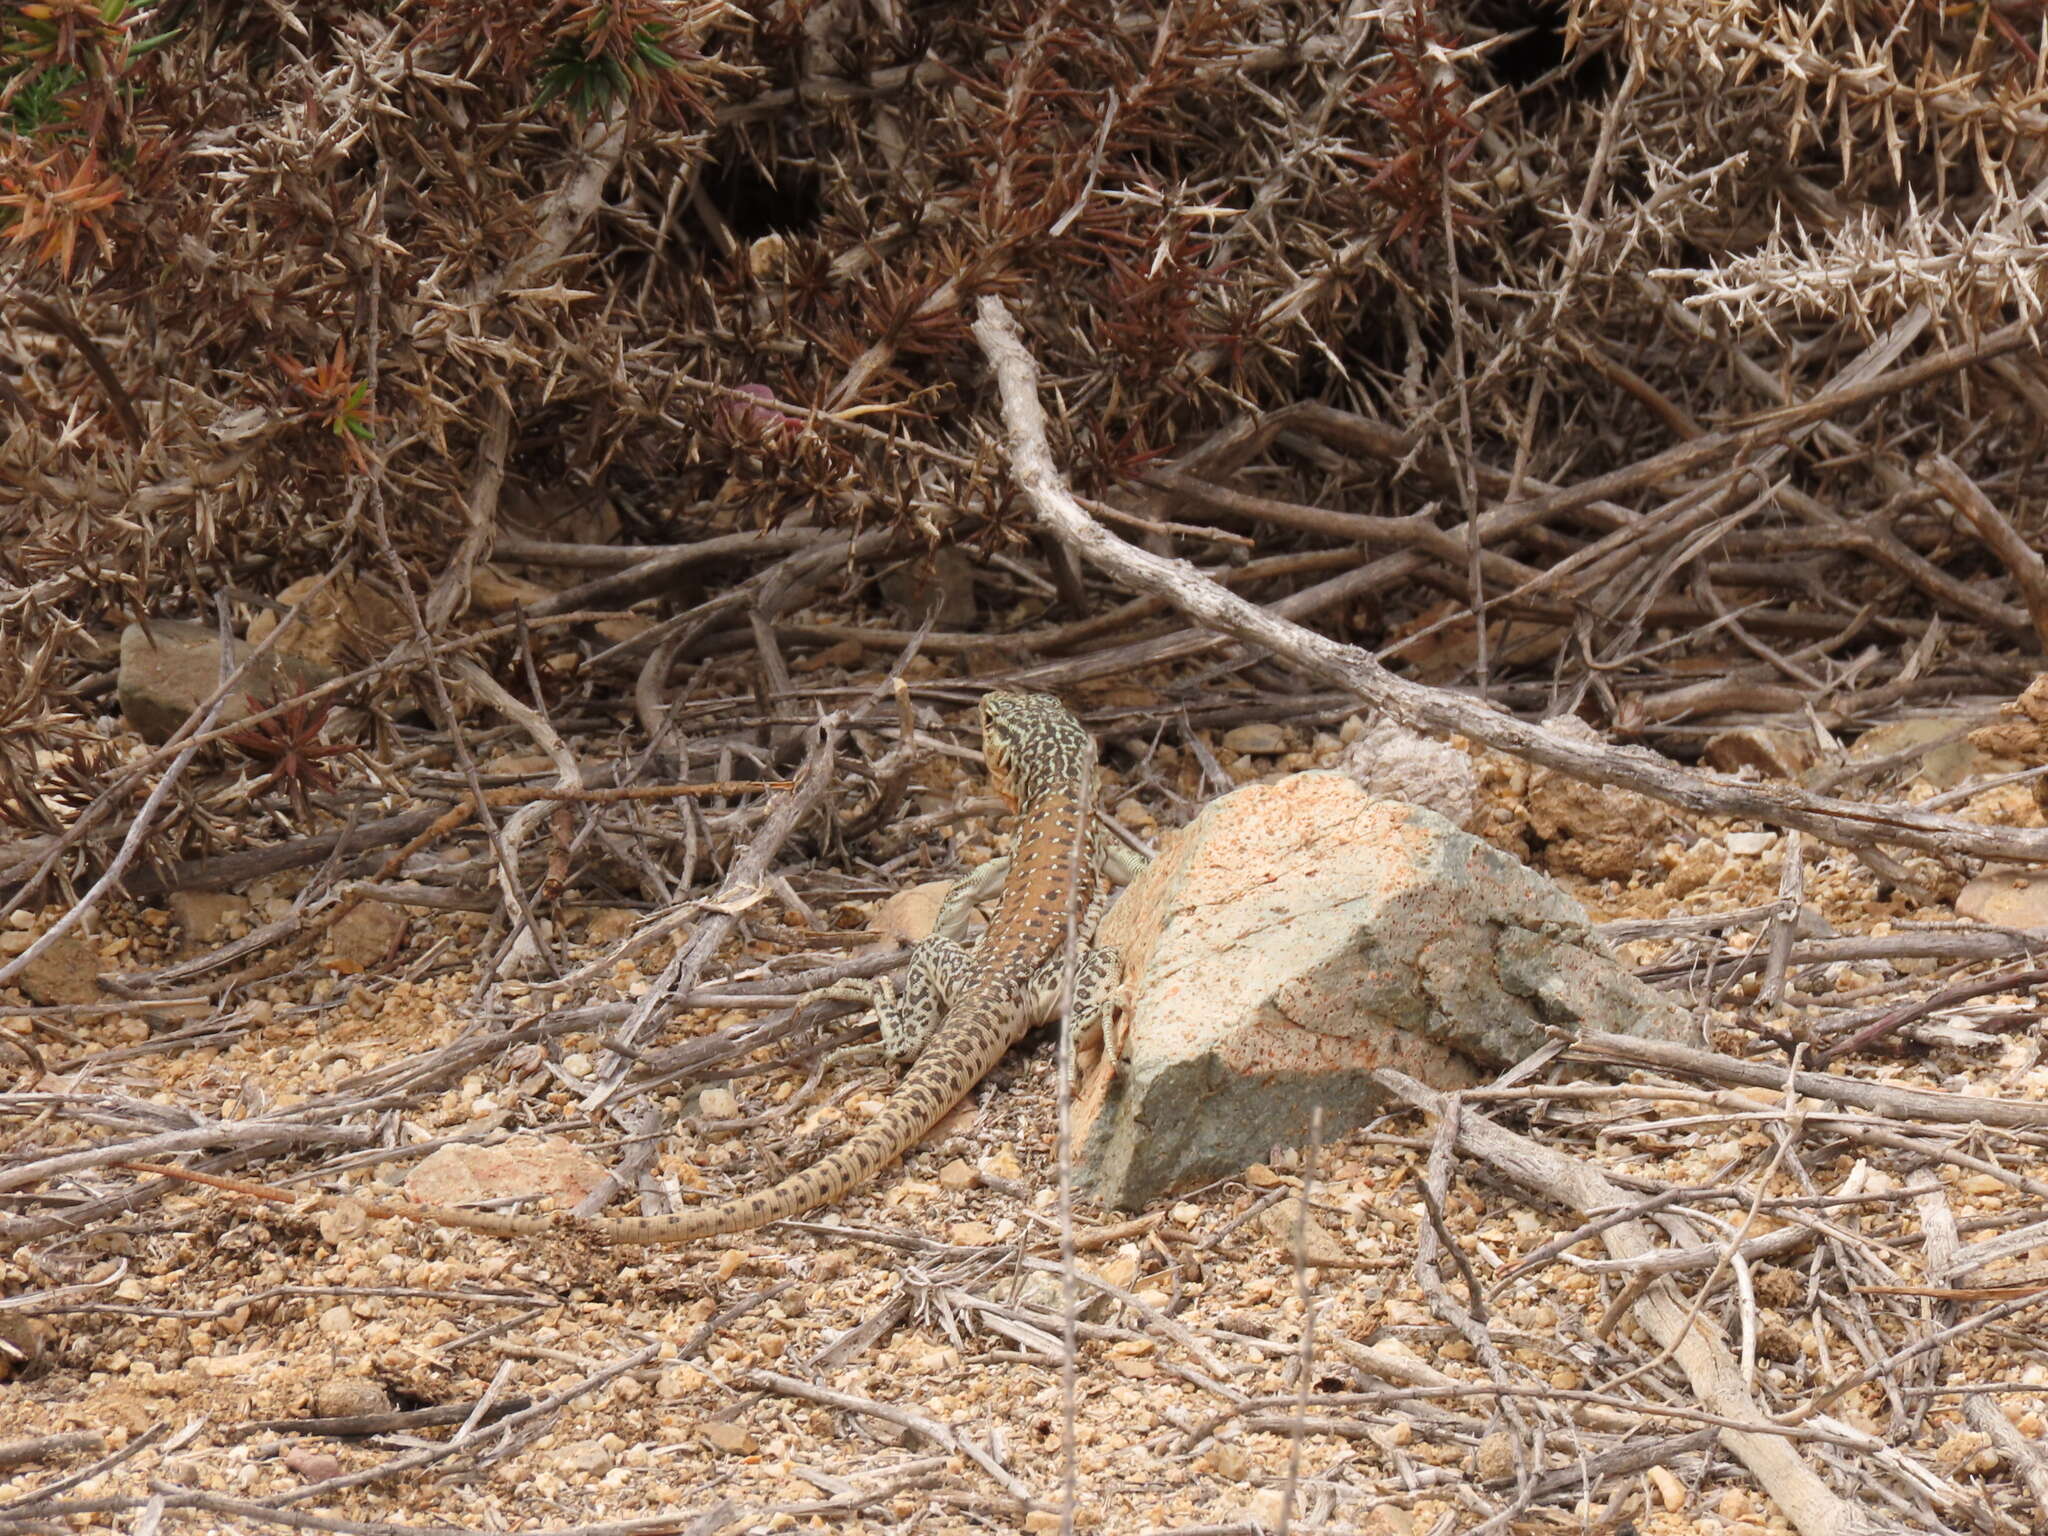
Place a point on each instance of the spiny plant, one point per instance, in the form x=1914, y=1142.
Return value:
x=595, y=56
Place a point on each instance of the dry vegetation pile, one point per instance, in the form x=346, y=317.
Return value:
x=614, y=392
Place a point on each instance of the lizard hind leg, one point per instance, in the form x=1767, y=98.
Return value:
x=1090, y=1004
x=938, y=971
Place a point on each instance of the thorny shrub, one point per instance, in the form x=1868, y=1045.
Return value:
x=709, y=263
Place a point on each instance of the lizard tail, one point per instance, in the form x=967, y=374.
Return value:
x=922, y=1099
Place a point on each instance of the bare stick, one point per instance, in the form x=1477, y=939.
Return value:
x=1842, y=822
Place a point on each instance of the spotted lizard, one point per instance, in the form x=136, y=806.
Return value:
x=960, y=1009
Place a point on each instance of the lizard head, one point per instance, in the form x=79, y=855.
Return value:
x=1034, y=745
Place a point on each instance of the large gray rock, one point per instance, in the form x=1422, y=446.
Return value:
x=1297, y=936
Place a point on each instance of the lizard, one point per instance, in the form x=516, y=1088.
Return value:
x=959, y=1012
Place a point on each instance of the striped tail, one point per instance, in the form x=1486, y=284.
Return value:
x=971, y=1043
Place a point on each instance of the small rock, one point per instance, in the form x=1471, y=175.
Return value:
x=1288, y=1220
x=1747, y=845
x=493, y=591
x=608, y=925
x=1298, y=936
x=958, y=1176
x=847, y=654
x=524, y=1165
x=64, y=975
x=336, y=1322
x=1670, y=1491
x=1946, y=753
x=203, y=916
x=939, y=587
x=587, y=1457
x=2006, y=898
x=1002, y=1164
x=349, y=1397
x=1265, y=738
x=1770, y=751
x=1040, y=1521
x=340, y=626
x=908, y=916
x=1229, y=1460
x=1135, y=815
x=22, y=1342
x=1694, y=868
x=1391, y=762
x=1593, y=830
x=309, y=1465
x=1267, y=1507
x=168, y=668
x=366, y=936
x=727, y=1439
x=1494, y=1459
x=970, y=1234
x=718, y=1104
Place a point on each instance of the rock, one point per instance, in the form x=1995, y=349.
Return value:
x=1295, y=937
x=1591, y=829
x=727, y=1439
x=494, y=592
x=169, y=668
x=959, y=1175
x=1694, y=867
x=365, y=937
x=718, y=1104
x=1771, y=751
x=1287, y=1220
x=1391, y=762
x=608, y=925
x=585, y=1456
x=349, y=1397
x=1747, y=845
x=908, y=916
x=309, y=1465
x=1494, y=1458
x=1945, y=747
x=2006, y=898
x=340, y=626
x=1264, y=738
x=524, y=1165
x=939, y=586
x=64, y=975
x=203, y=916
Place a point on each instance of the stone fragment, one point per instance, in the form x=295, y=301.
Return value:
x=64, y=975
x=492, y=591
x=1264, y=738
x=1391, y=762
x=524, y=1165
x=1299, y=935
x=727, y=1439
x=349, y=1397
x=203, y=917
x=907, y=916
x=2006, y=898
x=1771, y=751
x=365, y=937
x=1945, y=749
x=341, y=625
x=1591, y=829
x=168, y=668
x=311, y=1466
x=939, y=586
x=1300, y=1237
x=718, y=1104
